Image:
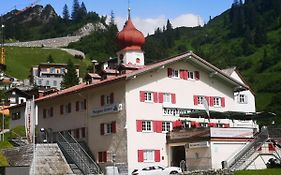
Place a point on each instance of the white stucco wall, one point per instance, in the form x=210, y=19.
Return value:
x=158, y=81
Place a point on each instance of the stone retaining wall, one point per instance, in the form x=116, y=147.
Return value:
x=210, y=172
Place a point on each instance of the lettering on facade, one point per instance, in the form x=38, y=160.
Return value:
x=107, y=109
x=232, y=132
x=198, y=145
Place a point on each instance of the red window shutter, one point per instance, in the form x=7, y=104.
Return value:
x=211, y=101
x=102, y=129
x=102, y=100
x=113, y=127
x=222, y=102
x=173, y=98
x=226, y=125
x=197, y=75
x=100, y=156
x=170, y=72
x=157, y=155
x=155, y=97
x=181, y=74
x=195, y=99
x=104, y=156
x=271, y=147
x=139, y=125
x=142, y=96
x=184, y=74
x=140, y=155
x=157, y=126
x=111, y=98
x=161, y=97
x=208, y=99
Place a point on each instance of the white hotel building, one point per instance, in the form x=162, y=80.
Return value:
x=127, y=110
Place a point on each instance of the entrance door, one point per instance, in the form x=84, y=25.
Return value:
x=178, y=154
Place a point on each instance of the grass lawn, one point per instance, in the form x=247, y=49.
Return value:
x=19, y=60
x=3, y=160
x=271, y=171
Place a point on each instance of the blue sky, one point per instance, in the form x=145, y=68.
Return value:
x=153, y=12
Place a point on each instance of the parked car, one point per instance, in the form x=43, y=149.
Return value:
x=157, y=170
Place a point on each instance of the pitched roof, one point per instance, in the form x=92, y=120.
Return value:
x=189, y=56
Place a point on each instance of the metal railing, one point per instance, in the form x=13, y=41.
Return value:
x=78, y=155
x=247, y=151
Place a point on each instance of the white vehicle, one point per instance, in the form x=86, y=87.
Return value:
x=157, y=170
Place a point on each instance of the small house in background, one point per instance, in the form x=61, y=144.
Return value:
x=49, y=75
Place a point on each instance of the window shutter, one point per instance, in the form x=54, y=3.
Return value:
x=100, y=156
x=173, y=98
x=222, y=102
x=101, y=129
x=195, y=99
x=111, y=98
x=85, y=104
x=197, y=75
x=161, y=97
x=157, y=155
x=77, y=105
x=184, y=74
x=170, y=70
x=102, y=100
x=157, y=126
x=104, y=157
x=113, y=127
x=139, y=125
x=140, y=155
x=211, y=101
x=181, y=74
x=208, y=99
x=155, y=97
x=61, y=109
x=142, y=96
x=187, y=74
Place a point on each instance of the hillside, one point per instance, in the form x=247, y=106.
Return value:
x=20, y=60
x=247, y=36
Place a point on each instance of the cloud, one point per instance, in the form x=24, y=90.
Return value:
x=148, y=25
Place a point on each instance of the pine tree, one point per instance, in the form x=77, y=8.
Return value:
x=70, y=78
x=83, y=10
x=65, y=13
x=169, y=25
x=75, y=10
x=50, y=59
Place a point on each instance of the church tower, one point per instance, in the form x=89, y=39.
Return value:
x=130, y=41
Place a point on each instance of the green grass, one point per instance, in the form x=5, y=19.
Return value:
x=3, y=160
x=20, y=60
x=271, y=171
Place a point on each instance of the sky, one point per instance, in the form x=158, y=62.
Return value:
x=147, y=15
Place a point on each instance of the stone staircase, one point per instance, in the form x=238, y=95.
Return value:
x=49, y=160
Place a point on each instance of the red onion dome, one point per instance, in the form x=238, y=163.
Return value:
x=130, y=38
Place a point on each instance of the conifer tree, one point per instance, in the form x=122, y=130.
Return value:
x=65, y=13
x=70, y=78
x=75, y=10
x=83, y=10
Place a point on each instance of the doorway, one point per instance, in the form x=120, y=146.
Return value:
x=178, y=154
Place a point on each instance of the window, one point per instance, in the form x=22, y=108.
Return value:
x=68, y=108
x=102, y=156
x=44, y=113
x=62, y=70
x=53, y=70
x=55, y=83
x=108, y=128
x=107, y=99
x=146, y=125
x=47, y=83
x=83, y=132
x=51, y=112
x=148, y=156
x=148, y=97
x=77, y=106
x=167, y=98
x=83, y=104
x=39, y=82
x=16, y=116
x=176, y=74
x=191, y=75
x=166, y=126
x=200, y=99
x=61, y=109
x=77, y=134
x=217, y=101
x=242, y=98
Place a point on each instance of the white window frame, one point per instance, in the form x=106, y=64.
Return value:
x=108, y=128
x=175, y=73
x=167, y=98
x=200, y=100
x=107, y=100
x=148, y=156
x=191, y=75
x=147, y=126
x=242, y=98
x=148, y=96
x=166, y=126
x=217, y=101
